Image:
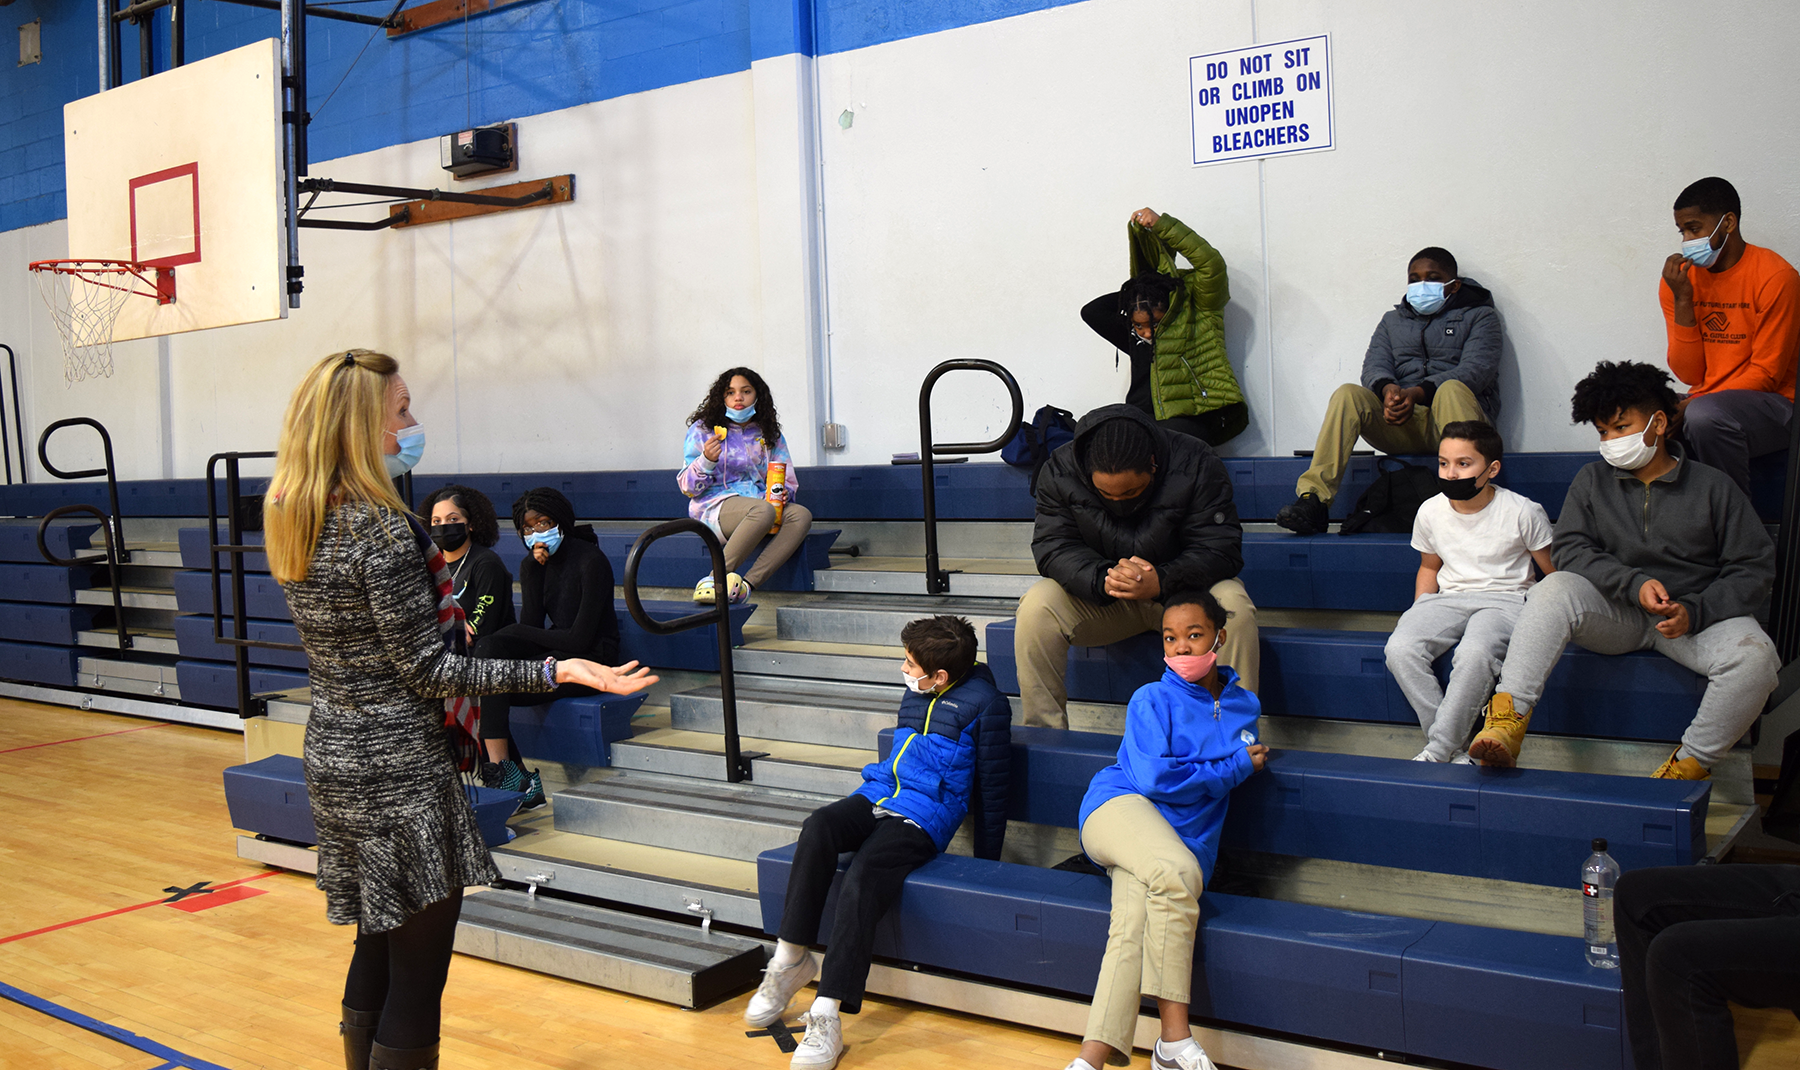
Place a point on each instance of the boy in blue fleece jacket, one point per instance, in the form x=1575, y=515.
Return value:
x=952, y=747
x=1152, y=819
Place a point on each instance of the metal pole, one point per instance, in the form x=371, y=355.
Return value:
x=240, y=625
x=146, y=63
x=937, y=580
x=289, y=149
x=108, y=61
x=177, y=33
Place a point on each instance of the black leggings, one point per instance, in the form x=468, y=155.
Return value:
x=1692, y=941
x=496, y=710
x=400, y=974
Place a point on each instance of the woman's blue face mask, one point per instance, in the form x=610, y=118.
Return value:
x=549, y=540
x=412, y=447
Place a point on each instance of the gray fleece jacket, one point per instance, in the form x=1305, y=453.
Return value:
x=1691, y=528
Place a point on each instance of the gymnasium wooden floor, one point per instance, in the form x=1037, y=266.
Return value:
x=106, y=817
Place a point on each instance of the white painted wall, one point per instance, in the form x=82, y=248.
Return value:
x=976, y=201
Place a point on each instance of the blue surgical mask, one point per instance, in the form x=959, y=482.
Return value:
x=1700, y=250
x=738, y=416
x=549, y=540
x=412, y=447
x=1425, y=297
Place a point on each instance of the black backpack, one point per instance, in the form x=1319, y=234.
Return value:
x=1032, y=446
x=1393, y=500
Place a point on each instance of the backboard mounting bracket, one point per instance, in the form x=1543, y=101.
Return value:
x=433, y=205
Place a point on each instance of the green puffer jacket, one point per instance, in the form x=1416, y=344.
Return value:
x=1191, y=373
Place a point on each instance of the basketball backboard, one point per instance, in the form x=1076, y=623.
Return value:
x=182, y=170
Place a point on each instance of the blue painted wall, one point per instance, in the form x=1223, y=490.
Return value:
x=529, y=58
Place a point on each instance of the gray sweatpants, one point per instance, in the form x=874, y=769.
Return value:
x=1736, y=657
x=1478, y=625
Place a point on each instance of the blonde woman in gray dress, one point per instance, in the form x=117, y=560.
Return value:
x=391, y=681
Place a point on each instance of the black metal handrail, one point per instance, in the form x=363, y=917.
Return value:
x=737, y=765
x=1784, y=612
x=17, y=435
x=235, y=548
x=112, y=560
x=115, y=523
x=937, y=580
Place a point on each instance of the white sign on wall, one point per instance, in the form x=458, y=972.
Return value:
x=1265, y=100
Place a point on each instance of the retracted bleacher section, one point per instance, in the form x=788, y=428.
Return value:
x=39, y=620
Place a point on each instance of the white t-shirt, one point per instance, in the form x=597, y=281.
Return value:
x=1485, y=551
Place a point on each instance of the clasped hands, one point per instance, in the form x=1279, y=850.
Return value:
x=1397, y=402
x=1655, y=600
x=1133, y=579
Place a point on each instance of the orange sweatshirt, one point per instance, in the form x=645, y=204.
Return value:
x=1747, y=326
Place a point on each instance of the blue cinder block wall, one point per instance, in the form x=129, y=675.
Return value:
x=526, y=59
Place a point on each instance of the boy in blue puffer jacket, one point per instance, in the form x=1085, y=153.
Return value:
x=1152, y=819
x=952, y=750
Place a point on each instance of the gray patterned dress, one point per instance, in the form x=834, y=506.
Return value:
x=396, y=832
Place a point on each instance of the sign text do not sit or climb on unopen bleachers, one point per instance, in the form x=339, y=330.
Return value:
x=1264, y=100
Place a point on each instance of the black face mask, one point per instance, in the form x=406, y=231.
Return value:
x=449, y=537
x=1129, y=507
x=1459, y=490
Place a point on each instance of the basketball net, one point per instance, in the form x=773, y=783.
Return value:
x=85, y=298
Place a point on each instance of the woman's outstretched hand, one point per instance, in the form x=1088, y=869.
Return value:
x=619, y=679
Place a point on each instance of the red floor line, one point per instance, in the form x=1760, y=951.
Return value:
x=129, y=909
x=100, y=735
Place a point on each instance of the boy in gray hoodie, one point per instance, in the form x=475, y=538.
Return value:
x=1653, y=551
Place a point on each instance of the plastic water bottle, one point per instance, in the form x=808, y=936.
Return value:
x=1598, y=875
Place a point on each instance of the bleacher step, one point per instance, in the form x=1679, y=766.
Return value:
x=129, y=597
x=726, y=820
x=847, y=662
x=146, y=641
x=635, y=874
x=823, y=712
x=151, y=675
x=663, y=960
x=782, y=765
x=877, y=621
x=976, y=578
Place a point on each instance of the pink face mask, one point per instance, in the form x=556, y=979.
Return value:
x=1194, y=667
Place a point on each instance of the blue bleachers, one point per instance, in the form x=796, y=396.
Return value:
x=1519, y=825
x=269, y=798
x=1289, y=967
x=65, y=538
x=37, y=663
x=44, y=583
x=214, y=683
x=574, y=731
x=1342, y=675
x=33, y=622
x=194, y=638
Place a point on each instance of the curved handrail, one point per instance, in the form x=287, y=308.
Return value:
x=736, y=768
x=937, y=581
x=116, y=523
x=112, y=560
x=17, y=433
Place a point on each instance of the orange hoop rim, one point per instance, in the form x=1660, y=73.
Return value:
x=160, y=291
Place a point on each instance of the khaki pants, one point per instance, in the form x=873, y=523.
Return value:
x=1051, y=620
x=1356, y=411
x=745, y=521
x=1156, y=887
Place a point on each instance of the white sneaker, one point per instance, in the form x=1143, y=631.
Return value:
x=1462, y=759
x=1194, y=1058
x=777, y=990
x=823, y=1043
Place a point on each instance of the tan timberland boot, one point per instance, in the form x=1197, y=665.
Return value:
x=1497, y=744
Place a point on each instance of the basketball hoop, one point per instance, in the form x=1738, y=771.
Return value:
x=85, y=298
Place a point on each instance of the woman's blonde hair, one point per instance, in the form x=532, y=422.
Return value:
x=329, y=454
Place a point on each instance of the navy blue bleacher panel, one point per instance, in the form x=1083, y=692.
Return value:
x=137, y=497
x=214, y=683
x=1268, y=812
x=262, y=595
x=1510, y=1000
x=1424, y=816
x=194, y=541
x=696, y=648
x=574, y=731
x=644, y=494
x=1368, y=572
x=268, y=797
x=194, y=639
x=37, y=663
x=1535, y=827
x=65, y=539
x=1621, y=696
x=1275, y=478
x=1302, y=969
x=1308, y=672
x=1278, y=569
x=971, y=491
x=35, y=622
x=44, y=583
